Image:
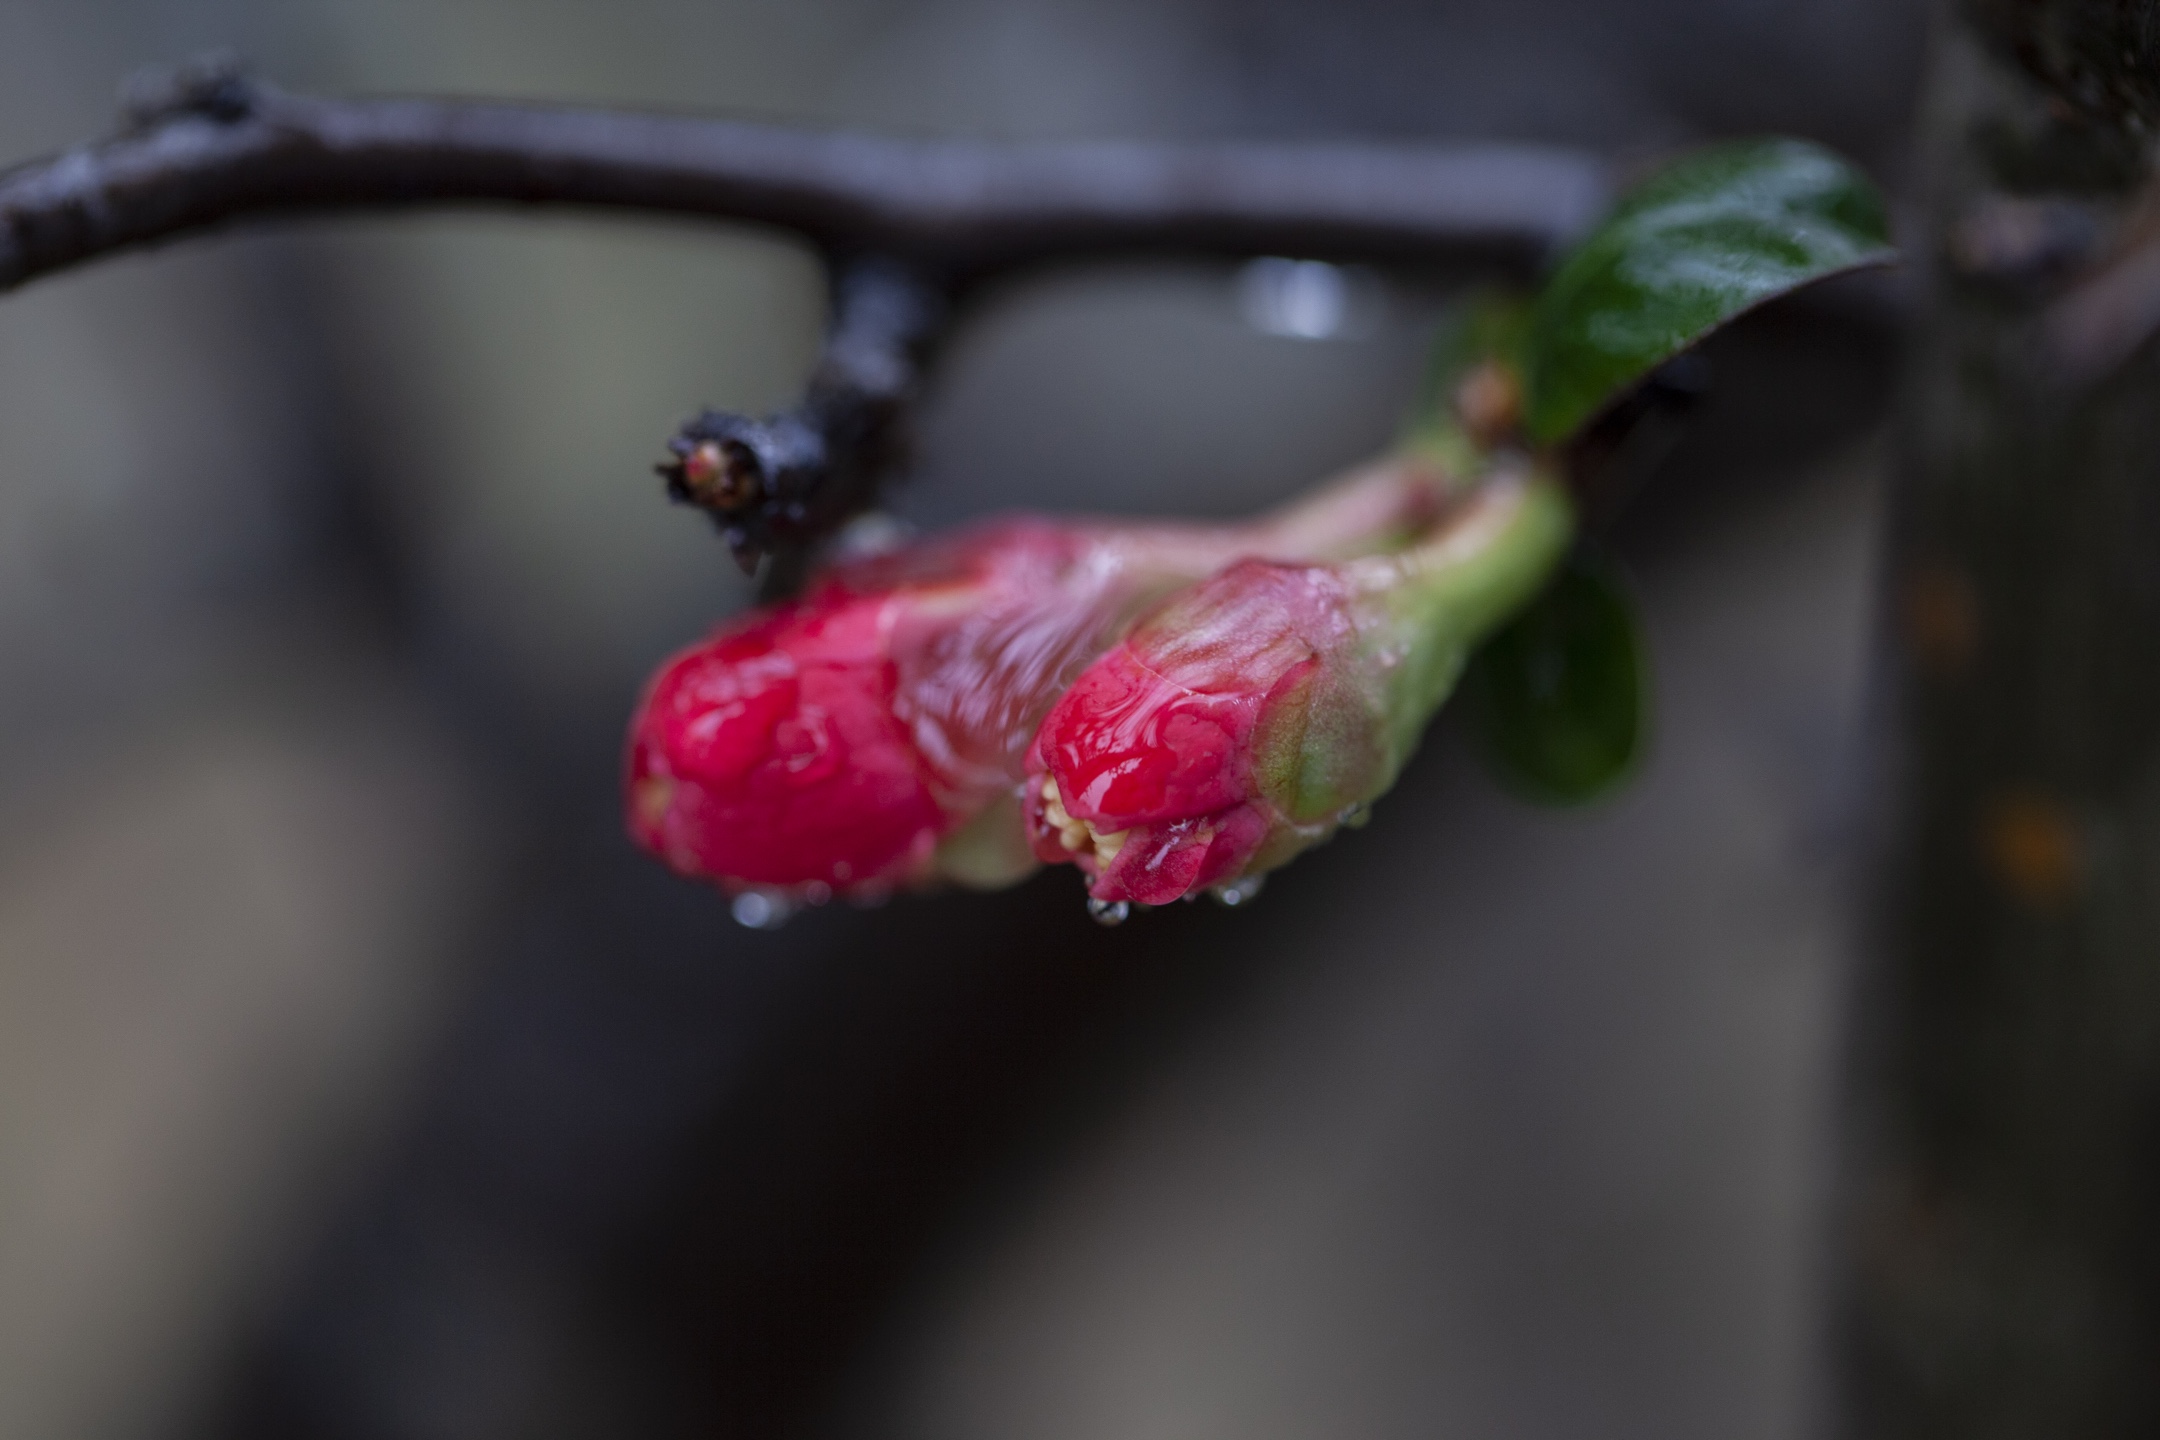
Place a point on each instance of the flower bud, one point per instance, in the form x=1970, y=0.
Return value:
x=1248, y=716
x=871, y=734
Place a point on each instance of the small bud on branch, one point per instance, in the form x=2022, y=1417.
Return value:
x=790, y=478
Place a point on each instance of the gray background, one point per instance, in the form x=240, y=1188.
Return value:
x=356, y=1078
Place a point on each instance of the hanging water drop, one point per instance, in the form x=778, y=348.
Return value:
x=761, y=910
x=1109, y=912
x=1242, y=891
x=1354, y=816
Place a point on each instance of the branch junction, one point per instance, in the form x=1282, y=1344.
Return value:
x=906, y=225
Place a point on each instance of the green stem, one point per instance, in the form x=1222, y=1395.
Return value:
x=1438, y=599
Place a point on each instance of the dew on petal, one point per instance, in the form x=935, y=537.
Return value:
x=761, y=910
x=1109, y=912
x=1242, y=891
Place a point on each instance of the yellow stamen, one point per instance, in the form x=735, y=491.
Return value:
x=1107, y=846
x=1078, y=835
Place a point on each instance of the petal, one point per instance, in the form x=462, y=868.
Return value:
x=749, y=766
x=1128, y=747
x=1158, y=864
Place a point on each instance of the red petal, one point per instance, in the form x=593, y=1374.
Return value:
x=778, y=769
x=1128, y=747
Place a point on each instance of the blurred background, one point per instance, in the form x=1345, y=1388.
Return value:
x=358, y=1080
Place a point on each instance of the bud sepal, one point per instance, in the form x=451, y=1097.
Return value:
x=1249, y=716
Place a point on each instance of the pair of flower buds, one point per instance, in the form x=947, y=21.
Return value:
x=1178, y=708
x=1173, y=708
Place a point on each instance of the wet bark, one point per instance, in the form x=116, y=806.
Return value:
x=2004, y=1259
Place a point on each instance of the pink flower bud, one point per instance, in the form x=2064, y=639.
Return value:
x=871, y=733
x=1248, y=716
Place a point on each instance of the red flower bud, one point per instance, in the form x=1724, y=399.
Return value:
x=1250, y=715
x=844, y=741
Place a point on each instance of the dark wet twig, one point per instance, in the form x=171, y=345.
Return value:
x=783, y=481
x=205, y=145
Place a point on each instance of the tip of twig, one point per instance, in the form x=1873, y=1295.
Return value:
x=723, y=476
x=217, y=84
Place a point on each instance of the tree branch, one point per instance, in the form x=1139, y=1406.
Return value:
x=208, y=146
x=780, y=482
x=905, y=225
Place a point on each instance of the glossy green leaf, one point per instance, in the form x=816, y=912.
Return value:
x=1558, y=698
x=1704, y=240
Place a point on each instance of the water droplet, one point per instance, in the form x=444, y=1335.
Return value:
x=1109, y=912
x=1301, y=299
x=1242, y=891
x=817, y=892
x=761, y=910
x=874, y=532
x=1354, y=816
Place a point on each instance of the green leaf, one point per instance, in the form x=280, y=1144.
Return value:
x=1704, y=240
x=1558, y=698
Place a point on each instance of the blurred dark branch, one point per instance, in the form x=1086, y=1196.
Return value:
x=205, y=144
x=783, y=481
